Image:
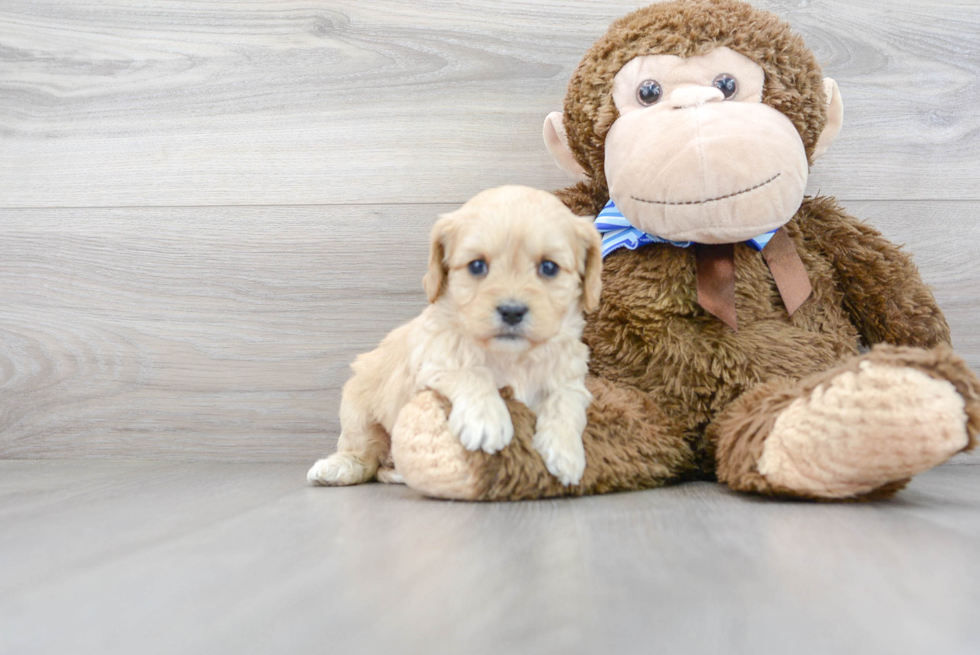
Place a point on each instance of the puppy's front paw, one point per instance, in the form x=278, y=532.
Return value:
x=563, y=454
x=482, y=423
x=339, y=470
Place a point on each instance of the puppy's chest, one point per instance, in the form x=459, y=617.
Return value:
x=524, y=379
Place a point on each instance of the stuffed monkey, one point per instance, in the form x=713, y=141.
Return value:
x=726, y=343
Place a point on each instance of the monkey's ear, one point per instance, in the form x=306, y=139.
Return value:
x=556, y=141
x=835, y=118
x=434, y=281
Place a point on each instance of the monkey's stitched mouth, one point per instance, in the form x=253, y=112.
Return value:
x=702, y=202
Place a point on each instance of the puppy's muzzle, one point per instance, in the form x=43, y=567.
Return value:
x=512, y=313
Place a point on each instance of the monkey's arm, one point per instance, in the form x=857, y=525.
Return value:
x=883, y=292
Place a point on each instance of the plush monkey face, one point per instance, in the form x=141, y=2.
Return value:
x=695, y=155
x=694, y=140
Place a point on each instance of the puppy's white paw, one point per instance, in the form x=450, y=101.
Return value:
x=563, y=454
x=339, y=470
x=482, y=423
x=390, y=476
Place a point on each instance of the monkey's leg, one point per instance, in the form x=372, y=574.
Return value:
x=629, y=444
x=858, y=431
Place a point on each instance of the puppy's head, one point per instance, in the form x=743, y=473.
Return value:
x=515, y=265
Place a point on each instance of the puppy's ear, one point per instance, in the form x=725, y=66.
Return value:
x=592, y=280
x=434, y=281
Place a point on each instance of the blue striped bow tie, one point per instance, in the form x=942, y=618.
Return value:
x=716, y=263
x=617, y=232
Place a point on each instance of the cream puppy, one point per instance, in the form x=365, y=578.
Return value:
x=510, y=274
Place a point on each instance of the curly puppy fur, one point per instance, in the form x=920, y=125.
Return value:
x=507, y=322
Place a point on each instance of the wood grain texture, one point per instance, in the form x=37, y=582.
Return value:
x=128, y=103
x=215, y=558
x=226, y=333
x=223, y=333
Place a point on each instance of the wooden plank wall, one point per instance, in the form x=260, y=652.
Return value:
x=208, y=208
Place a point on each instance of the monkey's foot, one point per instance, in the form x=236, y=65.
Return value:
x=864, y=429
x=861, y=430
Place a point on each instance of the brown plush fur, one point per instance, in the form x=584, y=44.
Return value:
x=678, y=394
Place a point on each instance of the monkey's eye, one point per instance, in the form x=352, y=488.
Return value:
x=727, y=84
x=478, y=267
x=548, y=268
x=649, y=92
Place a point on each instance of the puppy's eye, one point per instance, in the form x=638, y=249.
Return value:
x=548, y=268
x=649, y=92
x=478, y=267
x=727, y=84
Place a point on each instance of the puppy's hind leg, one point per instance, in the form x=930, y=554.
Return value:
x=387, y=473
x=356, y=460
x=361, y=448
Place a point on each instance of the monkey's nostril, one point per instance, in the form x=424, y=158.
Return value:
x=512, y=314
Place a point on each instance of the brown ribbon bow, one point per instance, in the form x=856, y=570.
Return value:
x=716, y=276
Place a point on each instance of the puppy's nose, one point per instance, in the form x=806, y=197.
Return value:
x=512, y=314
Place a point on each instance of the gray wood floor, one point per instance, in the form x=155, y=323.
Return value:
x=214, y=558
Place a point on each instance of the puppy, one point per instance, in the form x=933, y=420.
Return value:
x=510, y=274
